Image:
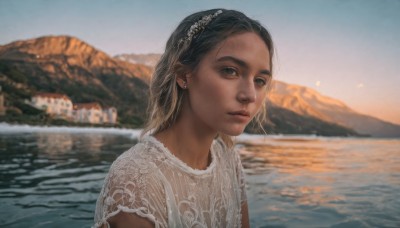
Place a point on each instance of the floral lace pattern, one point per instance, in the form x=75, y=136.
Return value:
x=149, y=181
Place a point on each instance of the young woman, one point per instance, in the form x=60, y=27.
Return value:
x=210, y=82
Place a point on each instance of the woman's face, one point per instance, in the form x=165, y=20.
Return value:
x=228, y=86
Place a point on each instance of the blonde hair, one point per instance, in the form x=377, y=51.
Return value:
x=166, y=96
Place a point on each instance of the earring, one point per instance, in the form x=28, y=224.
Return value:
x=184, y=85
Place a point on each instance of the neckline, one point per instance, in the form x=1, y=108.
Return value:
x=181, y=164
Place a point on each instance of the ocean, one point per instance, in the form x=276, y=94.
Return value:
x=51, y=177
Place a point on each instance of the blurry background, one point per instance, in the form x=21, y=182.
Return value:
x=345, y=50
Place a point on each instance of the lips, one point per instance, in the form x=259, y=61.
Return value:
x=243, y=113
x=242, y=116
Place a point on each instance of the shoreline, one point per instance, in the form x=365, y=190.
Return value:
x=6, y=128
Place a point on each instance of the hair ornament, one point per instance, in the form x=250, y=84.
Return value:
x=199, y=26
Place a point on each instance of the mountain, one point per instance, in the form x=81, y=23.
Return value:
x=65, y=64
x=308, y=102
x=72, y=51
x=146, y=59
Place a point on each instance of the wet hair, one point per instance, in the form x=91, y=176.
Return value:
x=180, y=55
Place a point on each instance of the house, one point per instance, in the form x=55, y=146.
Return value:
x=55, y=104
x=88, y=113
x=61, y=106
x=110, y=115
x=94, y=113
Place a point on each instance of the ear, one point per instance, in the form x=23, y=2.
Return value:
x=181, y=82
x=181, y=75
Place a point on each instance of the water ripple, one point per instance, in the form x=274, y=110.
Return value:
x=53, y=179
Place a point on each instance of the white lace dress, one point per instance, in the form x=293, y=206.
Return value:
x=149, y=181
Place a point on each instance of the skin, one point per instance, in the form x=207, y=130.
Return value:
x=223, y=94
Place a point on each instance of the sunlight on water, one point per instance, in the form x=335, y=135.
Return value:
x=52, y=179
x=322, y=182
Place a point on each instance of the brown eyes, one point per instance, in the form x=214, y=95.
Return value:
x=231, y=72
x=260, y=82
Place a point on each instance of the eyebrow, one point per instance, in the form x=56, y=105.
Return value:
x=241, y=63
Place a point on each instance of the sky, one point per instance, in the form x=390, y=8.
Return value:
x=345, y=49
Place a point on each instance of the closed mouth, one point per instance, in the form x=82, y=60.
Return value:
x=240, y=113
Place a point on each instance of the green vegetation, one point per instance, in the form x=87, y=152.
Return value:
x=18, y=86
x=13, y=73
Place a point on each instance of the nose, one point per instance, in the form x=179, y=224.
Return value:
x=247, y=93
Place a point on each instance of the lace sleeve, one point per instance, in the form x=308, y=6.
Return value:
x=131, y=187
x=240, y=174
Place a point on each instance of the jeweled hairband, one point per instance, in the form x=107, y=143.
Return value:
x=199, y=26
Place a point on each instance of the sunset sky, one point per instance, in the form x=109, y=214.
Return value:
x=348, y=50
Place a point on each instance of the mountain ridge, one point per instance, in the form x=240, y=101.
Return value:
x=72, y=51
x=68, y=65
x=308, y=102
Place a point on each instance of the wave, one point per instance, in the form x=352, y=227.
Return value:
x=6, y=128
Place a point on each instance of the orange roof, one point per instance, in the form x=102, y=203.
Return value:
x=93, y=105
x=52, y=95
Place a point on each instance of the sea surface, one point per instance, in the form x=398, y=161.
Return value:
x=51, y=177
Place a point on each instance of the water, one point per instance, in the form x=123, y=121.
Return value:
x=52, y=179
x=323, y=182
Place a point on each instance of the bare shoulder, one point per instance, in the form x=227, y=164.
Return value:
x=245, y=215
x=129, y=220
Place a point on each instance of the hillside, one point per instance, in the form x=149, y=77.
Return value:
x=64, y=64
x=308, y=102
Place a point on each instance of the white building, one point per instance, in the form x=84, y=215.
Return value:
x=56, y=105
x=93, y=113
x=110, y=115
x=61, y=106
x=88, y=113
